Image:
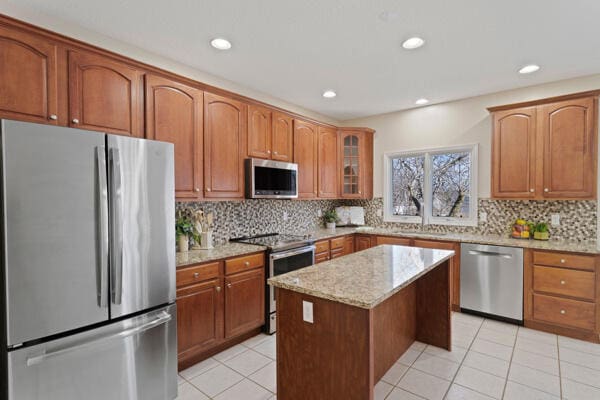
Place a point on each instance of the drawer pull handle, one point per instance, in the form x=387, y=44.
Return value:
x=562, y=261
x=563, y=282
x=247, y=263
x=218, y=288
x=75, y=120
x=563, y=312
x=53, y=117
x=229, y=285
x=196, y=275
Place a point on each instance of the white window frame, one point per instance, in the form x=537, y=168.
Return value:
x=428, y=218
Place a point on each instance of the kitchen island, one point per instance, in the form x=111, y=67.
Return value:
x=343, y=323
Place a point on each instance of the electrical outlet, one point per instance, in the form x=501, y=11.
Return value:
x=483, y=216
x=285, y=216
x=319, y=213
x=379, y=212
x=307, y=311
x=555, y=219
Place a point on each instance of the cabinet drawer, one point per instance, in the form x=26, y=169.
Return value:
x=335, y=253
x=245, y=263
x=197, y=273
x=320, y=257
x=564, y=282
x=432, y=244
x=575, y=313
x=393, y=240
x=337, y=243
x=565, y=260
x=322, y=246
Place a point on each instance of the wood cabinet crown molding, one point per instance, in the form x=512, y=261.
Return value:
x=555, y=99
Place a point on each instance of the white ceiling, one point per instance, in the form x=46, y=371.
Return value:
x=294, y=49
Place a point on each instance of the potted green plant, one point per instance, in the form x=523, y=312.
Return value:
x=541, y=231
x=330, y=218
x=184, y=229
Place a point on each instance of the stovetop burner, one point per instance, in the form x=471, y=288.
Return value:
x=277, y=241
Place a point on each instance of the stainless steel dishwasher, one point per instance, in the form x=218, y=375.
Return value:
x=491, y=281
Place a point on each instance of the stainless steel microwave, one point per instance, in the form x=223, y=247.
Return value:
x=266, y=179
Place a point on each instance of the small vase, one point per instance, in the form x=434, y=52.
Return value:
x=206, y=240
x=183, y=243
x=541, y=235
x=330, y=225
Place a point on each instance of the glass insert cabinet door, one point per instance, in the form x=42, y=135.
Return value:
x=351, y=171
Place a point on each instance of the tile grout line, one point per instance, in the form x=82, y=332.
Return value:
x=394, y=386
x=560, y=380
x=510, y=362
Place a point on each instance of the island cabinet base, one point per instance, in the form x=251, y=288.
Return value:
x=344, y=352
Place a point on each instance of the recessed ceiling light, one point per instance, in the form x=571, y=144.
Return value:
x=329, y=94
x=528, y=69
x=422, y=101
x=413, y=43
x=220, y=44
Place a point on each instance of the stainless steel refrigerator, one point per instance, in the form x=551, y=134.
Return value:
x=88, y=265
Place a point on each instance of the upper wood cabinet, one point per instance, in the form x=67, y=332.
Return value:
x=569, y=131
x=259, y=131
x=305, y=155
x=28, y=77
x=282, y=138
x=546, y=151
x=514, y=153
x=224, y=146
x=174, y=114
x=327, y=164
x=356, y=163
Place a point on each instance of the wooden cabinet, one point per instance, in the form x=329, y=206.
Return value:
x=28, y=77
x=569, y=131
x=174, y=114
x=244, y=301
x=561, y=293
x=104, y=95
x=321, y=251
x=259, y=132
x=328, y=249
x=514, y=153
x=199, y=317
x=363, y=242
x=305, y=155
x=546, y=150
x=355, y=169
x=400, y=241
x=282, y=137
x=224, y=146
x=327, y=163
x=219, y=304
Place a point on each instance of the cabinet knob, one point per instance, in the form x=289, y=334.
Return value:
x=532, y=190
x=208, y=189
x=546, y=190
x=53, y=117
x=268, y=151
x=229, y=286
x=563, y=312
x=562, y=261
x=197, y=189
x=75, y=121
x=275, y=153
x=247, y=263
x=196, y=275
x=563, y=282
x=218, y=288
x=359, y=192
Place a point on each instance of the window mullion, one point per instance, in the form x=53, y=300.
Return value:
x=427, y=195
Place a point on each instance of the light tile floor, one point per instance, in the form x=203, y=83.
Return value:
x=489, y=360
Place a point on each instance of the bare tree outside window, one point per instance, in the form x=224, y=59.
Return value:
x=451, y=184
x=408, y=175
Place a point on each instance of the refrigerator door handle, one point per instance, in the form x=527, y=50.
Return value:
x=117, y=224
x=103, y=226
x=162, y=318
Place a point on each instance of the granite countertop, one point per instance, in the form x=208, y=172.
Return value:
x=225, y=250
x=366, y=278
x=589, y=247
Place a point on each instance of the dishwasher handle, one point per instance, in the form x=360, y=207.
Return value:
x=490, y=254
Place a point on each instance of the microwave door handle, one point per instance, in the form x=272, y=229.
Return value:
x=102, y=225
x=117, y=231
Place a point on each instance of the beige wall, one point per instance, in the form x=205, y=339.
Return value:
x=105, y=42
x=455, y=123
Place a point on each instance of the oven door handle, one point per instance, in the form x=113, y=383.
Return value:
x=277, y=256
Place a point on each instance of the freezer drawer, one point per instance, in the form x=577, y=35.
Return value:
x=491, y=280
x=135, y=359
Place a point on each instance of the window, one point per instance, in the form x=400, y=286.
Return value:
x=432, y=186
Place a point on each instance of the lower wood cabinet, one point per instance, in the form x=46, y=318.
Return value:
x=244, y=309
x=363, y=242
x=216, y=309
x=562, y=293
x=329, y=249
x=400, y=241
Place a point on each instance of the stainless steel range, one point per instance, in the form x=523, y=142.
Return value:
x=286, y=253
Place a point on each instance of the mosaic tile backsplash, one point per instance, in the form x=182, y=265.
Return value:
x=251, y=217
